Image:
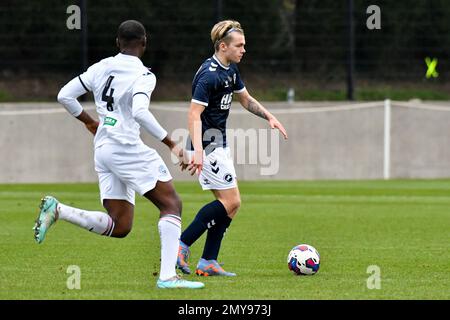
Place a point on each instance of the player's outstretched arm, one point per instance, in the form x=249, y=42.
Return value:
x=253, y=106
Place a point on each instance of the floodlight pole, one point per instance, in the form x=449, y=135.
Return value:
x=351, y=50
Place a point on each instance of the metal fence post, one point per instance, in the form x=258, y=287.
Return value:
x=351, y=49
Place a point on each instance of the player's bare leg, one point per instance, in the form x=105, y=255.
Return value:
x=122, y=213
x=231, y=200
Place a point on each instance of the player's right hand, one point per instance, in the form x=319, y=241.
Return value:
x=92, y=127
x=196, y=164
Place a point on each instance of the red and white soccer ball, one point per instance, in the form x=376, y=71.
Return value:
x=304, y=260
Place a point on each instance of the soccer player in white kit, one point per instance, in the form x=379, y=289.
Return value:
x=122, y=87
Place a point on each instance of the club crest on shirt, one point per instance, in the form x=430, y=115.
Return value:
x=162, y=169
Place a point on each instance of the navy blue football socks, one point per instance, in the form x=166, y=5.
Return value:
x=214, y=239
x=210, y=216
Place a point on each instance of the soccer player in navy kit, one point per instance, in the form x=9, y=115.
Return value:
x=213, y=87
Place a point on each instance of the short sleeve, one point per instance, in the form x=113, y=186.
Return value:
x=201, y=92
x=87, y=78
x=145, y=84
x=238, y=84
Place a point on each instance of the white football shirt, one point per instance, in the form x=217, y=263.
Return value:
x=114, y=81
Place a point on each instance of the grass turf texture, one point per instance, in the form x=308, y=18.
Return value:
x=402, y=227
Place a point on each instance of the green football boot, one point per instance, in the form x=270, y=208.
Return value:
x=46, y=218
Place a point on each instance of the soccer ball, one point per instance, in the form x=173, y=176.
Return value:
x=303, y=260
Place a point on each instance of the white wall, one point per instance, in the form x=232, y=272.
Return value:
x=41, y=142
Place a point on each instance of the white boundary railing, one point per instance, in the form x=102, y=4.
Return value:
x=387, y=140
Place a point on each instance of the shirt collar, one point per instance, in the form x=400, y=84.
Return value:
x=220, y=63
x=128, y=57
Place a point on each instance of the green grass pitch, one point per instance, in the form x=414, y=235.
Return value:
x=402, y=227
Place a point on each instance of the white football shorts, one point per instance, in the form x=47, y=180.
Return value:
x=124, y=170
x=218, y=171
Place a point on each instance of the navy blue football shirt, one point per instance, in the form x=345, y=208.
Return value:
x=213, y=87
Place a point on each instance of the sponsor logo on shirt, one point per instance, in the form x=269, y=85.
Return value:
x=109, y=121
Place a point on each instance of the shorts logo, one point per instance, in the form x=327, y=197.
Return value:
x=205, y=181
x=214, y=168
x=162, y=169
x=228, y=178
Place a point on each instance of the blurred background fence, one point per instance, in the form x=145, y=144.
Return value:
x=300, y=44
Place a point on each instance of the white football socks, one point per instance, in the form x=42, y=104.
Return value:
x=169, y=227
x=95, y=221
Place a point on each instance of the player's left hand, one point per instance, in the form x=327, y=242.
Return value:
x=274, y=123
